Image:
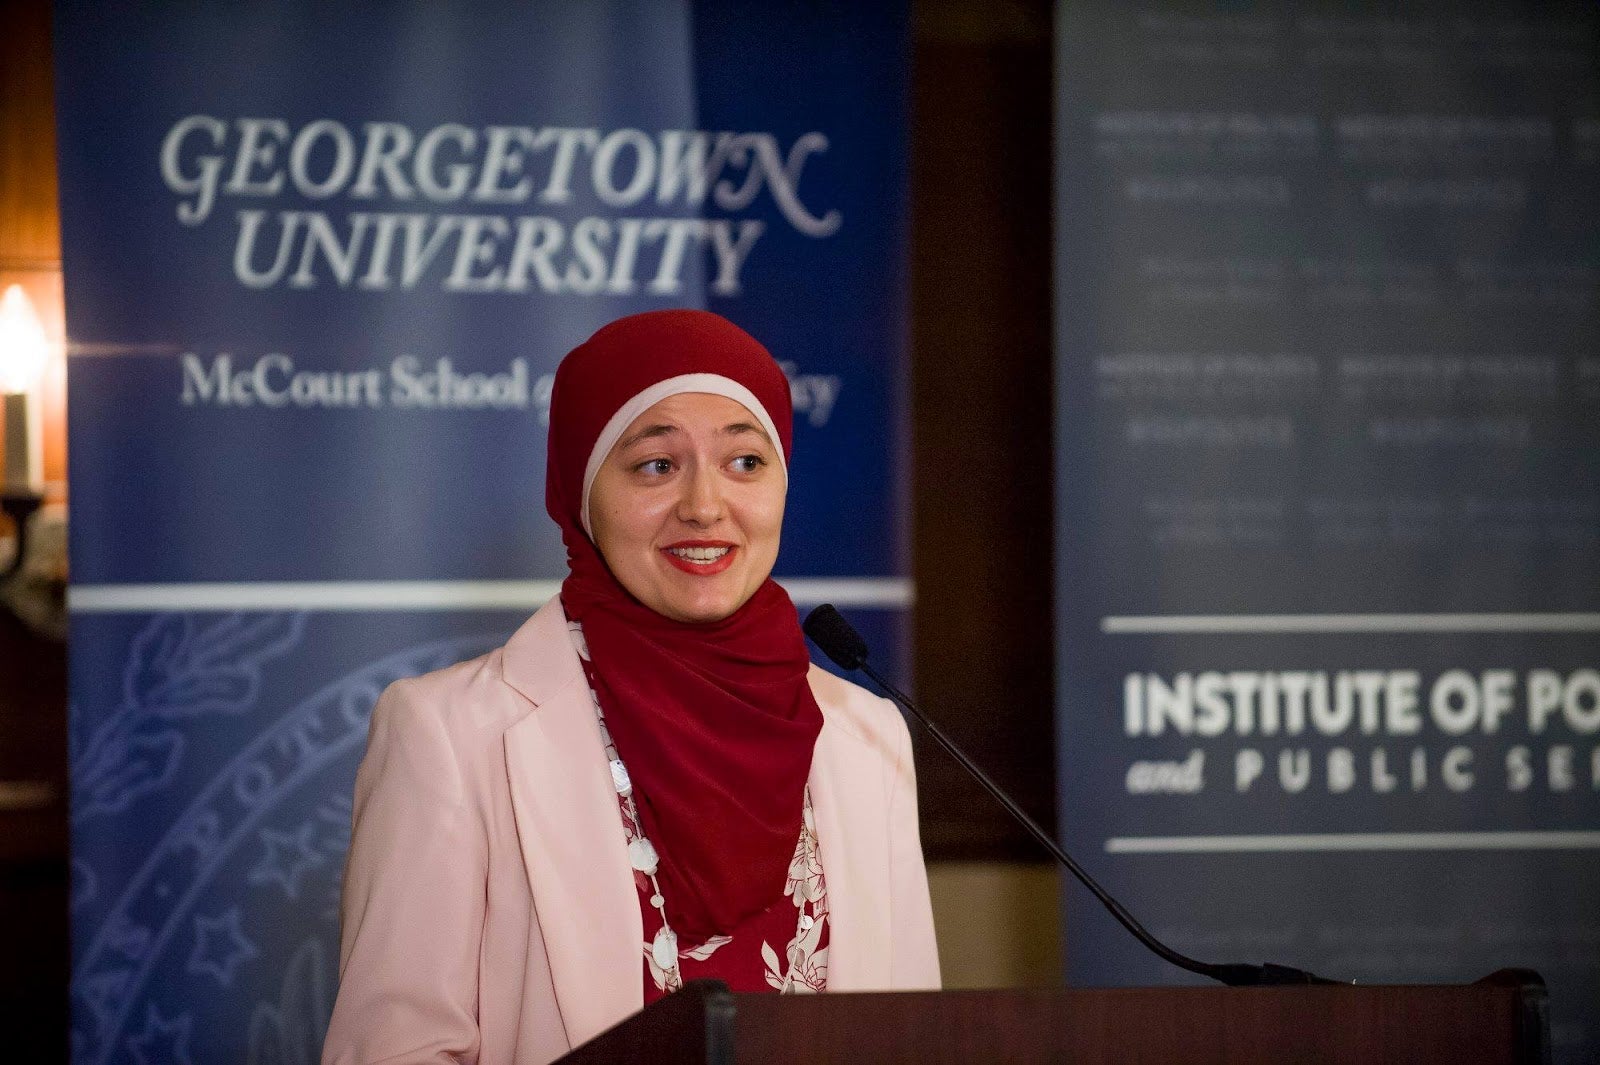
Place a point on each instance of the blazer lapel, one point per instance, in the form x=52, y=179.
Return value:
x=571, y=834
x=847, y=786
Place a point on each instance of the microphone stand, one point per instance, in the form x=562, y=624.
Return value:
x=853, y=655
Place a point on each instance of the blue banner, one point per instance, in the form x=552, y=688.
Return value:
x=1329, y=489
x=320, y=266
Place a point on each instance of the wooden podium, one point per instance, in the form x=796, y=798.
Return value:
x=1500, y=1019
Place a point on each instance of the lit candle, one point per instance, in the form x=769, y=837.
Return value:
x=23, y=352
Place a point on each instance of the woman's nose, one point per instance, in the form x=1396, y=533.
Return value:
x=701, y=502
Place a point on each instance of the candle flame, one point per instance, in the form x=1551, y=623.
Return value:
x=23, y=347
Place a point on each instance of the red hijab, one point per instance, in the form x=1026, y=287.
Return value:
x=715, y=721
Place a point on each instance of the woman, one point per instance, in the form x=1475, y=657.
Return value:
x=649, y=782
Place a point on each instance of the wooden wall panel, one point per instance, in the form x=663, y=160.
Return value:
x=981, y=416
x=30, y=228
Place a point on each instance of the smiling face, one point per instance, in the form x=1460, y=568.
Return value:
x=687, y=508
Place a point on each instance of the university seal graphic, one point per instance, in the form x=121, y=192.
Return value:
x=209, y=931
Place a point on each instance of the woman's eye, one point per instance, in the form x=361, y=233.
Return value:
x=655, y=467
x=748, y=463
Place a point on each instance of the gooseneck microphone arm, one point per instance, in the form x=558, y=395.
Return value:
x=840, y=642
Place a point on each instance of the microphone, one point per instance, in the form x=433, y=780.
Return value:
x=843, y=644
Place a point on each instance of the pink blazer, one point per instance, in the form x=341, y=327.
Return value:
x=489, y=912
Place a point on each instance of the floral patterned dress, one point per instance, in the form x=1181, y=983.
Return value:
x=748, y=957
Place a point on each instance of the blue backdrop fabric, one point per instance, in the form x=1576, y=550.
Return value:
x=320, y=265
x=1328, y=508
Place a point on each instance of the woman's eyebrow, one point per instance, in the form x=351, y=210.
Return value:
x=745, y=427
x=647, y=433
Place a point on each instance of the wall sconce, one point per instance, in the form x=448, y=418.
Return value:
x=24, y=350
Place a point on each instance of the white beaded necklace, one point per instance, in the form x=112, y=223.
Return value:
x=643, y=858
